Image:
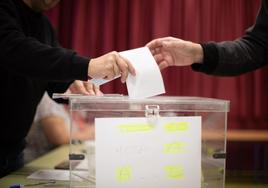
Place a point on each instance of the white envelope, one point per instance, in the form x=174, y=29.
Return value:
x=148, y=81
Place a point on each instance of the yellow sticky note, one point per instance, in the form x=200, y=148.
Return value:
x=176, y=126
x=123, y=174
x=136, y=127
x=174, y=172
x=175, y=147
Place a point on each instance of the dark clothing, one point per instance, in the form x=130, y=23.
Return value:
x=31, y=62
x=10, y=163
x=248, y=53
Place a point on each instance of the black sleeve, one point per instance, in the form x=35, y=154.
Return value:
x=27, y=56
x=245, y=54
x=57, y=87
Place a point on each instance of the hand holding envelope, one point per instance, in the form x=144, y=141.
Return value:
x=148, y=80
x=109, y=66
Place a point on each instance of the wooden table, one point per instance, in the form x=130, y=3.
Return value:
x=54, y=157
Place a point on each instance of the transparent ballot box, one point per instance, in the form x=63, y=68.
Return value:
x=157, y=142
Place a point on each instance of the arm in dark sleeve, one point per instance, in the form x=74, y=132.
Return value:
x=27, y=56
x=58, y=87
x=246, y=54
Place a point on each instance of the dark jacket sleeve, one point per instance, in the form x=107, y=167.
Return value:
x=54, y=86
x=245, y=54
x=28, y=57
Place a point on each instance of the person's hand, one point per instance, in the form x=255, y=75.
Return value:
x=109, y=66
x=170, y=51
x=86, y=88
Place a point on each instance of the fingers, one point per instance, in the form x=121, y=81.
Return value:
x=121, y=66
x=111, y=70
x=154, y=44
x=165, y=43
x=109, y=66
x=92, y=89
x=157, y=43
x=157, y=51
x=85, y=88
x=78, y=87
x=131, y=69
x=158, y=58
x=89, y=87
x=125, y=67
x=163, y=64
x=97, y=90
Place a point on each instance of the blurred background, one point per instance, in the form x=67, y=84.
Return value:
x=95, y=27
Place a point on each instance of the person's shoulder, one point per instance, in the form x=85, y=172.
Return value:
x=46, y=19
x=47, y=23
x=8, y=6
x=263, y=13
x=264, y=4
x=7, y=3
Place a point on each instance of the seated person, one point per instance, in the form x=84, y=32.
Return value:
x=51, y=128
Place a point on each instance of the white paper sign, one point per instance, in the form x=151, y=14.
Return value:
x=148, y=81
x=134, y=153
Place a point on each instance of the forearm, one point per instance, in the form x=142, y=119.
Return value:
x=28, y=57
x=56, y=130
x=36, y=58
x=232, y=58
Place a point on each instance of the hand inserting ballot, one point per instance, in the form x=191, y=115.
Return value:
x=109, y=66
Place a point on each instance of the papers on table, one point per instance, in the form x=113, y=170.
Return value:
x=148, y=81
x=135, y=152
x=61, y=175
